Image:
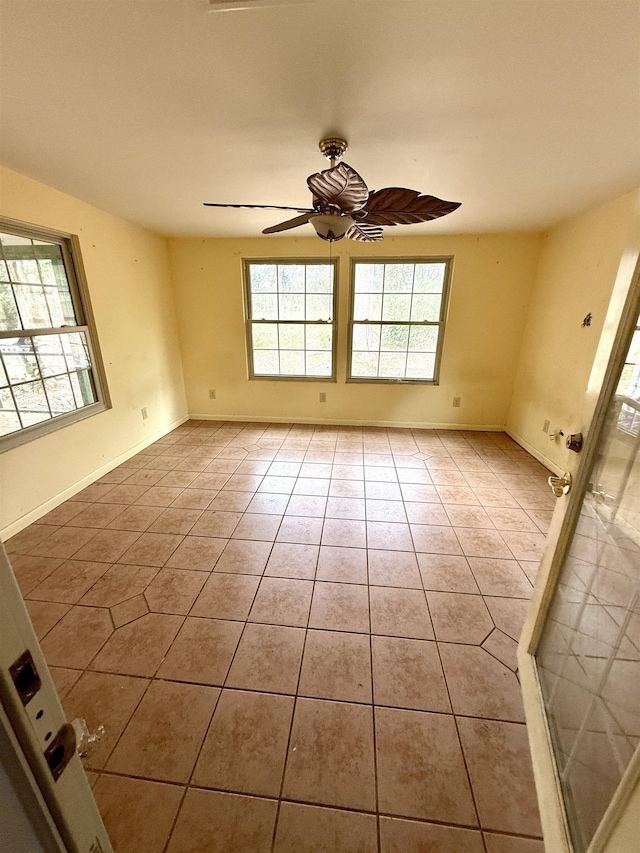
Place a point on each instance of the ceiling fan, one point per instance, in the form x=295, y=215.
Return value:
x=343, y=205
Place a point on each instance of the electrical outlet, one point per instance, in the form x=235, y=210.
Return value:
x=545, y=426
x=212, y=393
x=145, y=413
x=456, y=402
x=323, y=397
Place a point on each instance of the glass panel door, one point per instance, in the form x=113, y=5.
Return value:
x=588, y=658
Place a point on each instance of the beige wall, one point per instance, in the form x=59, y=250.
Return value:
x=492, y=279
x=576, y=273
x=128, y=274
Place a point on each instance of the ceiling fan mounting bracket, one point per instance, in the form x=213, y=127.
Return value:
x=333, y=147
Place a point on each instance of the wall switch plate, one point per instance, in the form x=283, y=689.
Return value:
x=212, y=393
x=545, y=426
x=456, y=402
x=323, y=397
x=145, y=413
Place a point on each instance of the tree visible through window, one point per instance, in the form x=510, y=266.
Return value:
x=397, y=318
x=629, y=387
x=290, y=316
x=46, y=362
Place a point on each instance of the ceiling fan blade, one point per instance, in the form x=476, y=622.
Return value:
x=340, y=186
x=290, y=223
x=260, y=206
x=362, y=232
x=400, y=206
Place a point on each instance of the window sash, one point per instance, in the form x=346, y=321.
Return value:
x=92, y=380
x=439, y=324
x=250, y=322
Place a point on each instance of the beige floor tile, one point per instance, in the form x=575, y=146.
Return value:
x=512, y=519
x=202, y=652
x=408, y=674
x=388, y=536
x=331, y=757
x=444, y=573
x=129, y=610
x=210, y=481
x=62, y=514
x=340, y=607
x=282, y=601
x=164, y=735
x=268, y=659
x=223, y=823
x=246, y=745
x=199, y=553
x=258, y=526
x=394, y=568
x=64, y=679
x=175, y=520
x=502, y=647
x=311, y=829
x=77, y=637
x=195, y=498
x=64, y=542
x=103, y=699
x=275, y=485
x=344, y=488
x=459, y=618
x=413, y=747
x=479, y=685
x=144, y=477
x=525, y=546
x=312, y=506
x=497, y=755
x=226, y=596
x=151, y=549
x=68, y=583
x=343, y=565
x=500, y=577
x=344, y=532
x=241, y=556
x=301, y=530
x=498, y=497
x=118, y=584
x=122, y=494
x=482, y=543
x=435, y=539
x=468, y=516
x=511, y=844
x=30, y=537
x=107, y=546
x=95, y=515
x=419, y=493
x=174, y=591
x=289, y=560
x=508, y=614
x=139, y=647
x=31, y=571
x=389, y=511
x=138, y=518
x=269, y=504
x=336, y=665
x=231, y=501
x=349, y=508
x=426, y=513
x=45, y=614
x=400, y=613
x=410, y=836
x=457, y=495
x=219, y=524
x=137, y=814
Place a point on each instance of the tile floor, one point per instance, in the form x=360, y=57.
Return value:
x=299, y=638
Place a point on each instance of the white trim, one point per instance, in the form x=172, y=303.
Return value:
x=61, y=497
x=349, y=422
x=544, y=460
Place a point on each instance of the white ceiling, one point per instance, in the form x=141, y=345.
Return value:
x=526, y=111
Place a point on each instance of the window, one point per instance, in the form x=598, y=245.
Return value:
x=291, y=310
x=398, y=312
x=629, y=388
x=48, y=374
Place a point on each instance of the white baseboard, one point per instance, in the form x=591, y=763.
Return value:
x=544, y=460
x=61, y=497
x=349, y=422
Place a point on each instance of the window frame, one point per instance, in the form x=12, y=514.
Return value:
x=246, y=264
x=441, y=322
x=85, y=322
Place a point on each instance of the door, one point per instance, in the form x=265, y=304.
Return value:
x=51, y=802
x=580, y=650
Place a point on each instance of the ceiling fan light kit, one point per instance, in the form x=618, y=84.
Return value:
x=343, y=205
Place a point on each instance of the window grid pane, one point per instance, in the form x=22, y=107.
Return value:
x=291, y=322
x=48, y=373
x=397, y=319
